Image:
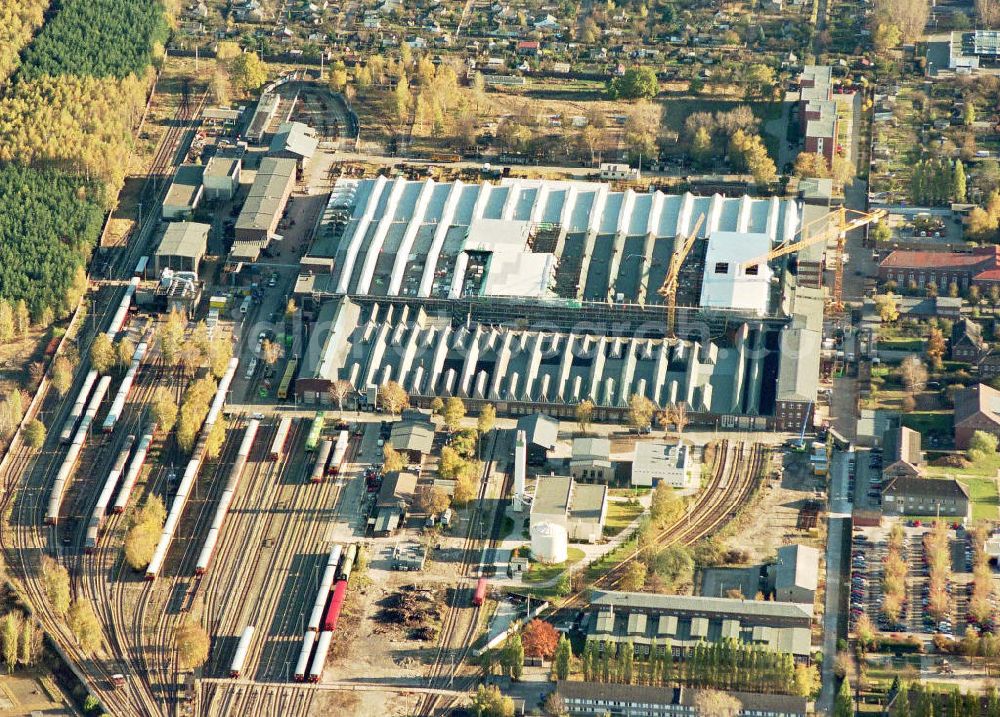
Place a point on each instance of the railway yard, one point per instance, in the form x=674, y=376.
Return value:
x=279, y=541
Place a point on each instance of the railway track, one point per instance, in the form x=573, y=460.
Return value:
x=25, y=484
x=276, y=594
x=731, y=483
x=462, y=619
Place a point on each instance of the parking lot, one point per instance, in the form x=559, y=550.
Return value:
x=869, y=551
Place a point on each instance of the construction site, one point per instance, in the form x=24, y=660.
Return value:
x=538, y=294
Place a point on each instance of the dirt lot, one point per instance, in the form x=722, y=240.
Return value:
x=774, y=518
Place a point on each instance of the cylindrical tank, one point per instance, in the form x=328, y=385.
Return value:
x=549, y=543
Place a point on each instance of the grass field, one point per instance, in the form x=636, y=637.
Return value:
x=925, y=422
x=620, y=514
x=901, y=344
x=985, y=498
x=540, y=572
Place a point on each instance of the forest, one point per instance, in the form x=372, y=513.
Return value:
x=78, y=124
x=67, y=119
x=99, y=38
x=49, y=221
x=19, y=19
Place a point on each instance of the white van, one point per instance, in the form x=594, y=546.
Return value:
x=245, y=306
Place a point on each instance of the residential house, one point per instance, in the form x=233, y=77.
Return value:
x=902, y=455
x=926, y=496
x=967, y=342
x=977, y=408
x=979, y=266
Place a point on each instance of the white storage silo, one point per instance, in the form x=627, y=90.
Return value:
x=549, y=543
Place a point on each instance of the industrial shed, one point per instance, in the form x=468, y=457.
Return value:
x=185, y=192
x=266, y=201
x=294, y=140
x=182, y=247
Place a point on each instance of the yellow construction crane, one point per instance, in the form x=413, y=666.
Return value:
x=835, y=224
x=669, y=288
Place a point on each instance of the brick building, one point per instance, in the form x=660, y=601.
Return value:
x=981, y=266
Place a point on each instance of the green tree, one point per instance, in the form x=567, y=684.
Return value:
x=701, y=146
x=843, y=703
x=249, y=72
x=887, y=307
x=635, y=576
x=34, y=434
x=125, y=350
x=454, y=412
x=880, y=232
x=640, y=412
x=192, y=643
x=401, y=100
x=102, y=354
x=563, y=657
x=28, y=646
x=10, y=630
x=487, y=418
x=171, y=337
x=55, y=580
x=392, y=460
x=666, y=506
x=811, y=164
x=886, y=36
x=216, y=437
x=635, y=83
x=489, y=702
x=164, y=409
x=584, y=414
x=958, y=188
x=85, y=626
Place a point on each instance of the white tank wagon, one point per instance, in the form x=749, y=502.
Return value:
x=242, y=648
x=121, y=313
x=205, y=557
x=302, y=664
x=325, y=586
x=78, y=407
x=190, y=473
x=118, y=404
x=134, y=468
x=322, y=650
x=73, y=454
x=101, y=509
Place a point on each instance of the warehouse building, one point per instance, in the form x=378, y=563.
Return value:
x=590, y=461
x=294, y=140
x=182, y=247
x=597, y=699
x=567, y=239
x=185, y=192
x=662, y=462
x=528, y=371
x=579, y=509
x=796, y=574
x=644, y=618
x=535, y=295
x=269, y=193
x=222, y=176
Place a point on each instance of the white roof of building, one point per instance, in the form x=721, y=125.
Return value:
x=403, y=237
x=661, y=457
x=725, y=283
